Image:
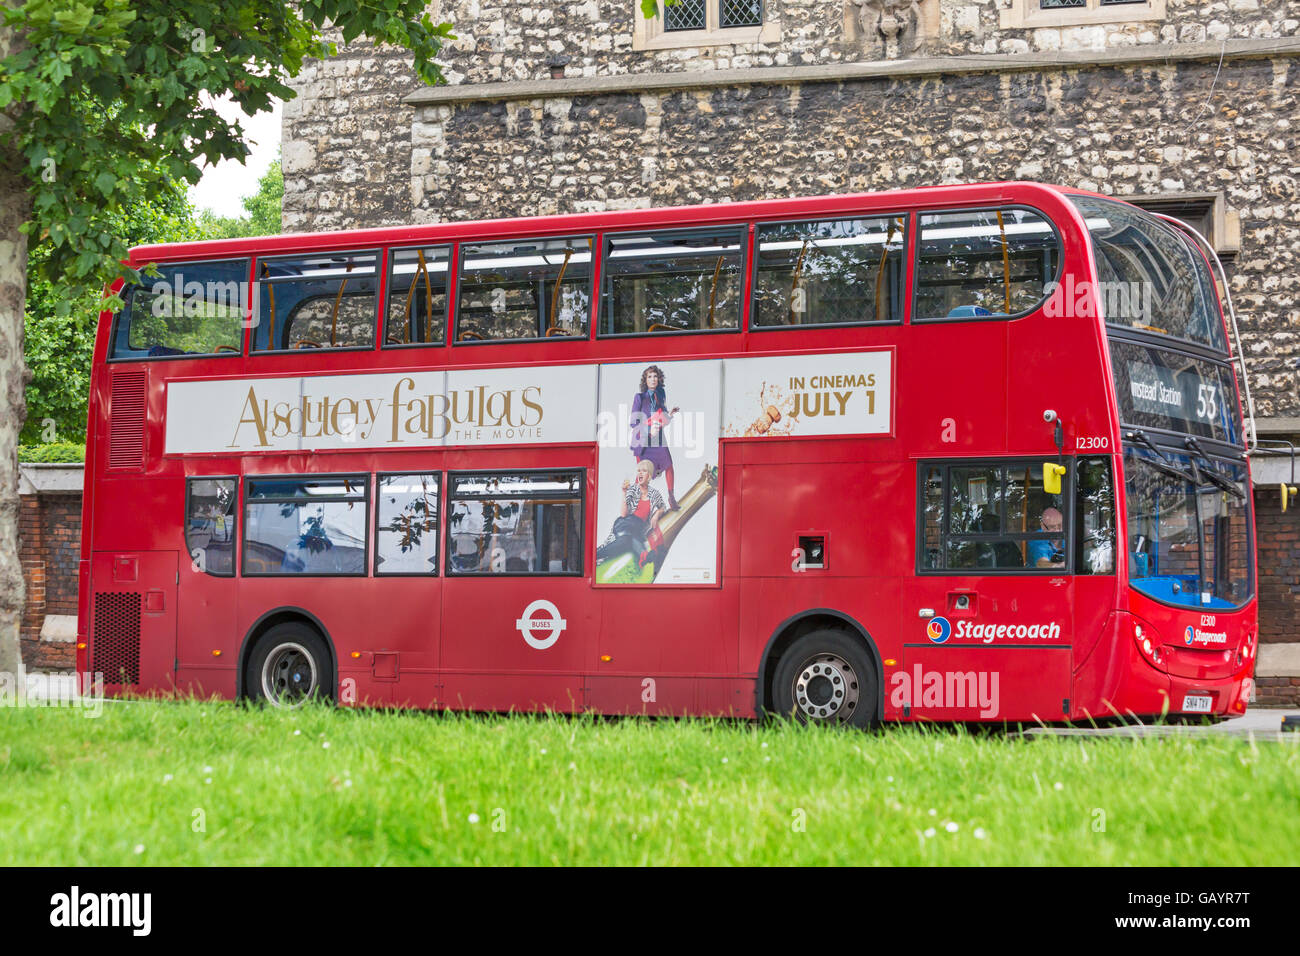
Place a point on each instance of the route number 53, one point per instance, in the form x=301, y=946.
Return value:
x=1206, y=401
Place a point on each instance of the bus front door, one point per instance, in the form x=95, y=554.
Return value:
x=984, y=648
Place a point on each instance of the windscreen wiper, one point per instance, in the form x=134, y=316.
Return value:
x=1141, y=439
x=1161, y=464
x=1210, y=473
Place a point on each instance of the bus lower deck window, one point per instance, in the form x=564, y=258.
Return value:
x=515, y=523
x=210, y=524
x=406, y=532
x=310, y=526
x=991, y=515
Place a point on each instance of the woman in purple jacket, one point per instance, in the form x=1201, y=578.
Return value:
x=650, y=417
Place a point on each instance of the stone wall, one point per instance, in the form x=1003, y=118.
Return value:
x=355, y=154
x=499, y=41
x=346, y=151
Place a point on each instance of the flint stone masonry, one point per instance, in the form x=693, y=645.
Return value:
x=498, y=42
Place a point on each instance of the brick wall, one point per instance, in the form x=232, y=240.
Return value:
x=49, y=540
x=61, y=537
x=1279, y=568
x=1277, y=691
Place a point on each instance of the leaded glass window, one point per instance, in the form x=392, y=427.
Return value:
x=685, y=15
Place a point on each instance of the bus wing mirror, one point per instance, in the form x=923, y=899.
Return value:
x=1052, y=475
x=1288, y=491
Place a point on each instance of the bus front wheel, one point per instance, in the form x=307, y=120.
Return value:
x=826, y=677
x=289, y=666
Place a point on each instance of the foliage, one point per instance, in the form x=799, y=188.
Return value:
x=55, y=451
x=263, y=210
x=59, y=341
x=102, y=90
x=330, y=786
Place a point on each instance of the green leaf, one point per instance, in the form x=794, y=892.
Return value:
x=109, y=90
x=106, y=183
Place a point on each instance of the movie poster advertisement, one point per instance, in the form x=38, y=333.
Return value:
x=838, y=393
x=657, y=509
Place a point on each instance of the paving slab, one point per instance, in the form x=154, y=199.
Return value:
x=1258, y=723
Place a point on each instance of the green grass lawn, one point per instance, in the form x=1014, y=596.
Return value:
x=216, y=783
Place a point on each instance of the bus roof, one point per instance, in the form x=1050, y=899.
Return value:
x=998, y=192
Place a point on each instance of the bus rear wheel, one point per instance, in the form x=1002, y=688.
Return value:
x=289, y=665
x=826, y=677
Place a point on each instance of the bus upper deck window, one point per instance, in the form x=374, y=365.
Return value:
x=1152, y=277
x=983, y=263
x=673, y=280
x=832, y=272
x=524, y=289
x=417, y=296
x=326, y=300
x=188, y=308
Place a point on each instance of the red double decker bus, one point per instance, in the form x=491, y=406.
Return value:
x=967, y=453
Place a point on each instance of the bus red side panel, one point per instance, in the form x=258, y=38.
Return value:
x=133, y=620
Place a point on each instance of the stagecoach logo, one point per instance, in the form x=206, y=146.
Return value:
x=552, y=625
x=938, y=630
x=1204, y=637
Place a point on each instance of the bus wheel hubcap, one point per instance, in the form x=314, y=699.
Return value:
x=289, y=675
x=827, y=688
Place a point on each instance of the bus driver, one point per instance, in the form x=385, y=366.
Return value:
x=1049, y=553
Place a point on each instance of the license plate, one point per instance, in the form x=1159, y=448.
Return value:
x=1198, y=703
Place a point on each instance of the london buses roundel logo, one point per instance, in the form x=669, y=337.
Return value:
x=1188, y=635
x=938, y=630
x=541, y=617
